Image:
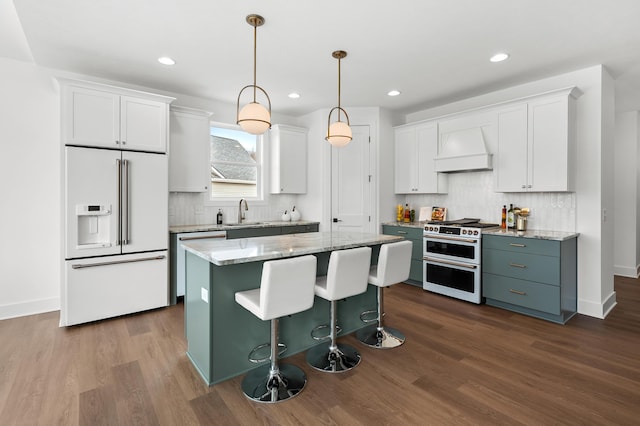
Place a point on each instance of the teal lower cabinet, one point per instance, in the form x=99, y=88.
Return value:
x=413, y=234
x=531, y=276
x=220, y=333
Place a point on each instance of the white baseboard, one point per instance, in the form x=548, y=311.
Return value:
x=31, y=307
x=597, y=310
x=626, y=271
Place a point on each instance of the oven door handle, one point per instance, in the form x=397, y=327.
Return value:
x=449, y=262
x=460, y=240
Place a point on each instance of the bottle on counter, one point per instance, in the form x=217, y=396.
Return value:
x=219, y=217
x=511, y=223
x=399, y=213
x=503, y=223
x=407, y=213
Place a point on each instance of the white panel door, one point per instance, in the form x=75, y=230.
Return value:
x=91, y=179
x=350, y=186
x=145, y=207
x=511, y=163
x=91, y=118
x=143, y=124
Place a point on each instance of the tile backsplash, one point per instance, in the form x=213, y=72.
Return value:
x=471, y=194
x=186, y=208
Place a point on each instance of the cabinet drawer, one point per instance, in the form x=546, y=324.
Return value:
x=253, y=232
x=532, y=267
x=528, y=294
x=523, y=245
x=405, y=231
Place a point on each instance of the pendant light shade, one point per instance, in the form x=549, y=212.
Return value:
x=339, y=132
x=254, y=117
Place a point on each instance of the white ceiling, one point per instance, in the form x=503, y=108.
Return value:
x=433, y=51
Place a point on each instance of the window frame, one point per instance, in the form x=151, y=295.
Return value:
x=261, y=175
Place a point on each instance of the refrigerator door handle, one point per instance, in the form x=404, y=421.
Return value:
x=119, y=235
x=118, y=262
x=125, y=203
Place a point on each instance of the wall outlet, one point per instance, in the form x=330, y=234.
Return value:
x=204, y=294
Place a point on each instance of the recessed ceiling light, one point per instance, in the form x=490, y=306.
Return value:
x=165, y=60
x=499, y=57
x=393, y=93
x=294, y=95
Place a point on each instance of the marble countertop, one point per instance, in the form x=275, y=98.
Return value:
x=224, y=227
x=538, y=234
x=243, y=250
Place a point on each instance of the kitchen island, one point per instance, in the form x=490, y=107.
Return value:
x=221, y=334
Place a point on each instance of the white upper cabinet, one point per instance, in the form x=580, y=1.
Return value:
x=288, y=156
x=537, y=144
x=189, y=166
x=110, y=117
x=416, y=147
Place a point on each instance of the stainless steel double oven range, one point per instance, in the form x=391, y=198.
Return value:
x=452, y=258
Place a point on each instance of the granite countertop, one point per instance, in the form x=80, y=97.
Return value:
x=224, y=227
x=243, y=250
x=537, y=234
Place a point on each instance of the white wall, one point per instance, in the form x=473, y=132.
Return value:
x=626, y=195
x=596, y=295
x=30, y=253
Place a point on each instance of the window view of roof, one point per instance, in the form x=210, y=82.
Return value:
x=230, y=160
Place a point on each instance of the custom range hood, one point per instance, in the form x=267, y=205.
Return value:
x=462, y=150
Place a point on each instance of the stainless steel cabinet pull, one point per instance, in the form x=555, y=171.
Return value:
x=517, y=265
x=91, y=265
x=126, y=207
x=201, y=238
x=521, y=293
x=448, y=262
x=517, y=245
x=402, y=232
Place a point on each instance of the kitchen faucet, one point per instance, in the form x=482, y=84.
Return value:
x=240, y=212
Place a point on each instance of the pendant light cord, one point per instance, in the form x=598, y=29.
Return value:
x=255, y=49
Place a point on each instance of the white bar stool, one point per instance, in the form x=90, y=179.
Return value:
x=394, y=263
x=286, y=287
x=346, y=276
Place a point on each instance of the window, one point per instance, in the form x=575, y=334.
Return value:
x=235, y=159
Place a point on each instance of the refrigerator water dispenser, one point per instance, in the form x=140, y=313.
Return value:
x=93, y=225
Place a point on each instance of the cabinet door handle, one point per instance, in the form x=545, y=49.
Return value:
x=517, y=265
x=521, y=293
x=517, y=245
x=402, y=232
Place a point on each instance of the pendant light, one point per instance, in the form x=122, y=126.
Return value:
x=338, y=133
x=254, y=118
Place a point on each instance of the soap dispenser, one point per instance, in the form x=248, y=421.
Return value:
x=219, y=217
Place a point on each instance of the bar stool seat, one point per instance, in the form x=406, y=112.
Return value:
x=346, y=276
x=286, y=288
x=394, y=263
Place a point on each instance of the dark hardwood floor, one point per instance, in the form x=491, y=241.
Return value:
x=461, y=364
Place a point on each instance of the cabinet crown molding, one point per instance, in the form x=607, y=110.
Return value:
x=68, y=82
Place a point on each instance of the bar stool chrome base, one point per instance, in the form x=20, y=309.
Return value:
x=380, y=337
x=337, y=360
x=263, y=385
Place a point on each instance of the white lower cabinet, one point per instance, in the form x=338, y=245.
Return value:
x=537, y=144
x=189, y=168
x=416, y=147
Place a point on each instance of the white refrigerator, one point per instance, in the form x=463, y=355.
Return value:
x=116, y=238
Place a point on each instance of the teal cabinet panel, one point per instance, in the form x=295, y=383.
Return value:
x=541, y=297
x=413, y=234
x=532, y=267
x=253, y=232
x=299, y=229
x=522, y=245
x=197, y=313
x=416, y=271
